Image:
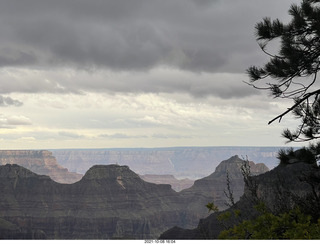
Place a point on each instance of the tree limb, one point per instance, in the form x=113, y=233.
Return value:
x=295, y=105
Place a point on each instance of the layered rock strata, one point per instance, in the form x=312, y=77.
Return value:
x=41, y=162
x=181, y=162
x=279, y=189
x=109, y=202
x=213, y=188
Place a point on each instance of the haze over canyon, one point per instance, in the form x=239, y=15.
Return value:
x=109, y=201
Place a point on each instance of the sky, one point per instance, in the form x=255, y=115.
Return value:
x=135, y=73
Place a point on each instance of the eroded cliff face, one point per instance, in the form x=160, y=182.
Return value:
x=109, y=202
x=279, y=189
x=41, y=162
x=214, y=186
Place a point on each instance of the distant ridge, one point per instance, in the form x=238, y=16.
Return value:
x=181, y=162
x=177, y=184
x=41, y=162
x=109, y=202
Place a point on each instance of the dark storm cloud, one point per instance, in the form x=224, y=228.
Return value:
x=124, y=35
x=136, y=35
x=204, y=3
x=15, y=57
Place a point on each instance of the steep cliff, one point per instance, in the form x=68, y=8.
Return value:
x=279, y=189
x=41, y=162
x=109, y=202
x=214, y=186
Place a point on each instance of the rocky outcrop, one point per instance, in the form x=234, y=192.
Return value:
x=177, y=185
x=181, y=162
x=109, y=202
x=41, y=162
x=279, y=189
x=214, y=187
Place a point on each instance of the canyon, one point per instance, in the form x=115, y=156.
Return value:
x=41, y=162
x=109, y=202
x=279, y=189
x=181, y=162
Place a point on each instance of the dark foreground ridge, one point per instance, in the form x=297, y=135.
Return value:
x=278, y=189
x=213, y=187
x=109, y=202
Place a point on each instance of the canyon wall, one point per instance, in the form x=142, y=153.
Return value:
x=41, y=162
x=109, y=202
x=213, y=188
x=181, y=162
x=279, y=189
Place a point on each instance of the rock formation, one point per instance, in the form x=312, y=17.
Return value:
x=278, y=189
x=214, y=186
x=177, y=185
x=109, y=202
x=41, y=162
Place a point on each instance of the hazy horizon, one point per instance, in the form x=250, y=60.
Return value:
x=150, y=148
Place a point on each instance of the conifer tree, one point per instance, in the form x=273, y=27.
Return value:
x=293, y=71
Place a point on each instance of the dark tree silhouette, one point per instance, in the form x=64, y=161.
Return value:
x=293, y=70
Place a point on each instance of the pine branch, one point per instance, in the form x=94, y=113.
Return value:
x=305, y=97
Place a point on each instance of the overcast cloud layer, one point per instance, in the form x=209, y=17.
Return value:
x=79, y=73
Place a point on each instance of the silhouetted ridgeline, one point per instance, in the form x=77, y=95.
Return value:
x=109, y=202
x=279, y=189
